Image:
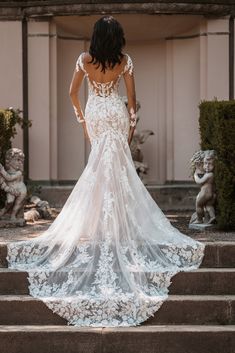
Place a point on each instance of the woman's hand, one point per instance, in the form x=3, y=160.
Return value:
x=86, y=132
x=131, y=133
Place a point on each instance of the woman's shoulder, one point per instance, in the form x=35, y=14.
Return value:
x=82, y=59
x=126, y=55
x=84, y=56
x=128, y=64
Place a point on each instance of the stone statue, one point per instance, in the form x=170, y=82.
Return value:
x=202, y=164
x=11, y=181
x=42, y=207
x=138, y=139
x=37, y=209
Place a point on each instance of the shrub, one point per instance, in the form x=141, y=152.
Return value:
x=9, y=119
x=217, y=130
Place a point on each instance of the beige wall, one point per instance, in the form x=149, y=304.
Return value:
x=149, y=61
x=173, y=73
x=71, y=143
x=56, y=142
x=182, y=97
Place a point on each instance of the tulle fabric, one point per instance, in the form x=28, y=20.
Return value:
x=110, y=255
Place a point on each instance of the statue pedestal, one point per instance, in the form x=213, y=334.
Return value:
x=201, y=226
x=7, y=223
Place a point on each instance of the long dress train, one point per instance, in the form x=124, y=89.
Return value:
x=109, y=256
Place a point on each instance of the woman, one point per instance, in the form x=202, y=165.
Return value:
x=109, y=256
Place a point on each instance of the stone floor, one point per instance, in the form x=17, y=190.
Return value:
x=179, y=219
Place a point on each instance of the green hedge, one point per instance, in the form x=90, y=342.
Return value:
x=9, y=119
x=217, y=130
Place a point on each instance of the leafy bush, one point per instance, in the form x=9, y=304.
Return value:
x=9, y=119
x=217, y=130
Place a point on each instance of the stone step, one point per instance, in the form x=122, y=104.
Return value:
x=3, y=255
x=141, y=339
x=177, y=309
x=217, y=254
x=178, y=196
x=201, y=281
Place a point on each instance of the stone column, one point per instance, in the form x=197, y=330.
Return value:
x=214, y=59
x=11, y=70
x=39, y=99
x=53, y=102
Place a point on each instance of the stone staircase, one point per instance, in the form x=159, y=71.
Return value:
x=198, y=317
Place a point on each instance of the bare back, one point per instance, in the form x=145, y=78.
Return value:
x=95, y=73
x=105, y=107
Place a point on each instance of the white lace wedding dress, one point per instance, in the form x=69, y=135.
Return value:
x=109, y=256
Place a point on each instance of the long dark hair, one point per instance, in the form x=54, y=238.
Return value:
x=107, y=43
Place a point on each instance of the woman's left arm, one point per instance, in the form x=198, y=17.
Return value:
x=73, y=93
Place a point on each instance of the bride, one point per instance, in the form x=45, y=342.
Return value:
x=109, y=257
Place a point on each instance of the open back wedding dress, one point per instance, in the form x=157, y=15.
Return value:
x=109, y=256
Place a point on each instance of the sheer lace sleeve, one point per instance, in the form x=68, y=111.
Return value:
x=129, y=67
x=74, y=88
x=128, y=73
x=79, y=64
